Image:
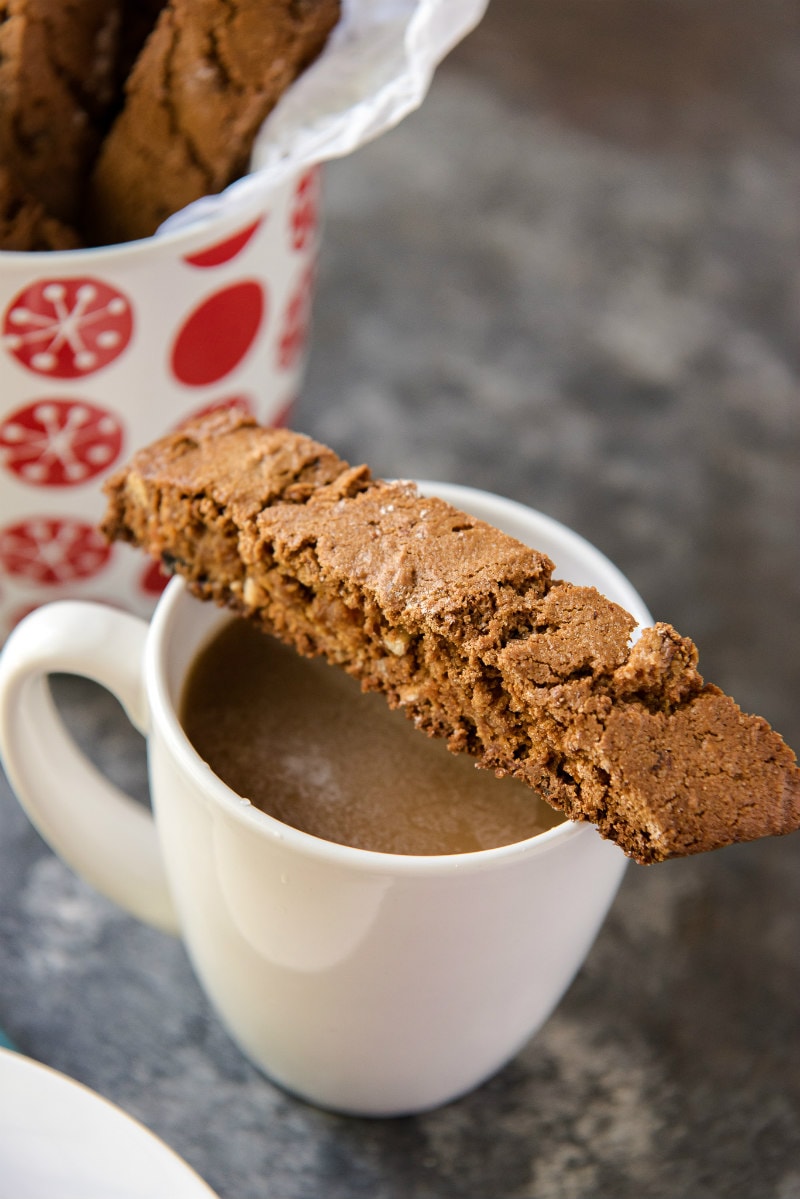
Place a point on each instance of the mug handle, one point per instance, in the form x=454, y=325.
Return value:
x=104, y=835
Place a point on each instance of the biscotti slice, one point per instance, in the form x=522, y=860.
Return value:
x=137, y=21
x=24, y=224
x=463, y=627
x=207, y=77
x=57, y=64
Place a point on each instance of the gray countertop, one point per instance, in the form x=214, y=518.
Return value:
x=570, y=278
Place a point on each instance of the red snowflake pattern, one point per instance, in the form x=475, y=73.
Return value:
x=305, y=209
x=50, y=551
x=59, y=443
x=296, y=322
x=67, y=328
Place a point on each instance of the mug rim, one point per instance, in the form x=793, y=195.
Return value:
x=168, y=238
x=165, y=717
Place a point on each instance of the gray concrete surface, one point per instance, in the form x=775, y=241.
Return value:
x=570, y=278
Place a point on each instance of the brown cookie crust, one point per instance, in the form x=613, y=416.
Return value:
x=464, y=628
x=26, y=226
x=57, y=64
x=207, y=77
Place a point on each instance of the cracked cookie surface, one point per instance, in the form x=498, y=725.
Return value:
x=207, y=77
x=57, y=64
x=464, y=628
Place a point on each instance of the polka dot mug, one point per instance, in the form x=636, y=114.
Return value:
x=103, y=350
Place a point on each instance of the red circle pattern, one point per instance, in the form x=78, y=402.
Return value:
x=224, y=251
x=239, y=403
x=215, y=337
x=153, y=580
x=296, y=322
x=305, y=209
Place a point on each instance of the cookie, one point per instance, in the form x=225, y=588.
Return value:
x=26, y=226
x=57, y=64
x=201, y=87
x=466, y=629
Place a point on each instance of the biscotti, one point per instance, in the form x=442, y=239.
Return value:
x=466, y=629
x=137, y=22
x=25, y=224
x=115, y=114
x=206, y=79
x=57, y=63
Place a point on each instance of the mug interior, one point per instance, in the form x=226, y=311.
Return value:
x=182, y=625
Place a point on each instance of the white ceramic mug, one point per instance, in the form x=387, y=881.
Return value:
x=367, y=983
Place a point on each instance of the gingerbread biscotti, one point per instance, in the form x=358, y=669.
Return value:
x=207, y=77
x=25, y=225
x=57, y=64
x=466, y=629
x=115, y=114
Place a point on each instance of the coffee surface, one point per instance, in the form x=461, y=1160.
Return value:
x=301, y=741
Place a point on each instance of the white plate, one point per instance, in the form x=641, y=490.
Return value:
x=59, y=1140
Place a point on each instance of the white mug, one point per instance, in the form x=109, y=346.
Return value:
x=367, y=983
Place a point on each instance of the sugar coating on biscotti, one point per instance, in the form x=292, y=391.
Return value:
x=465, y=629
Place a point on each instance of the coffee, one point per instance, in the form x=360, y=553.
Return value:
x=301, y=741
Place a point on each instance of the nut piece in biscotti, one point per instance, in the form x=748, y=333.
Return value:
x=57, y=62
x=466, y=629
x=24, y=224
x=207, y=77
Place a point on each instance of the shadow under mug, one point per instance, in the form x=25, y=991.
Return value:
x=367, y=983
